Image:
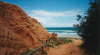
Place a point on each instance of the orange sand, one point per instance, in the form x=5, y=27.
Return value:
x=67, y=49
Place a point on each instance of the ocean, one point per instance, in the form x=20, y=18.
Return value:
x=64, y=31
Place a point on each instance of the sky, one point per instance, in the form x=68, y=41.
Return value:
x=53, y=13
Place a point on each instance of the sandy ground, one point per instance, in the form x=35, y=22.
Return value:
x=67, y=49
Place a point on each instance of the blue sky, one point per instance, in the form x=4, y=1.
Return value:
x=53, y=13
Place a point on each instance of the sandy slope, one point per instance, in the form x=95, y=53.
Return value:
x=67, y=49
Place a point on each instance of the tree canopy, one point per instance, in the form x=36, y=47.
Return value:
x=88, y=28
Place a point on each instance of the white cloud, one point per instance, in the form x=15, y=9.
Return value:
x=44, y=20
x=56, y=24
x=50, y=18
x=45, y=13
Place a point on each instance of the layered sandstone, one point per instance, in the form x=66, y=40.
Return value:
x=18, y=31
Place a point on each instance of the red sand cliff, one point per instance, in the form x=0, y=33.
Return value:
x=18, y=31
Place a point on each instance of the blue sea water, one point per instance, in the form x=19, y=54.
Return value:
x=63, y=31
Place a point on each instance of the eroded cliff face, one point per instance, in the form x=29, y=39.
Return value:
x=18, y=31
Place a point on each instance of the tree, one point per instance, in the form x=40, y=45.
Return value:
x=88, y=28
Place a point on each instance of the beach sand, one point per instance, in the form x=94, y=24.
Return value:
x=67, y=49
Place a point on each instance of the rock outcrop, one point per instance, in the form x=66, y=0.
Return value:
x=18, y=31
